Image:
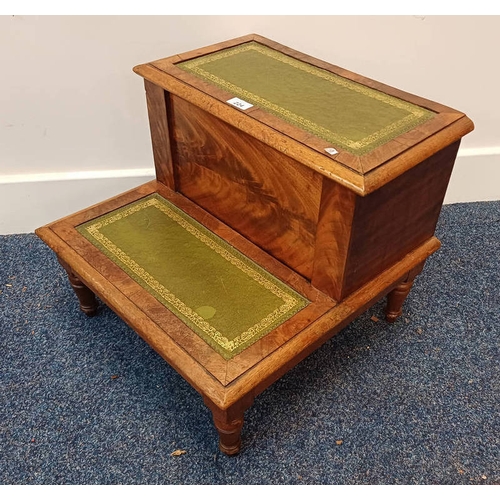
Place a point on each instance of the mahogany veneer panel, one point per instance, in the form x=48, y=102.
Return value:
x=268, y=197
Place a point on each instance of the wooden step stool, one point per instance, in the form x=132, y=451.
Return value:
x=290, y=196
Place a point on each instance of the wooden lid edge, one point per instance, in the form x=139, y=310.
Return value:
x=417, y=154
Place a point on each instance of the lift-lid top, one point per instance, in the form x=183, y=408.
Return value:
x=348, y=115
x=351, y=121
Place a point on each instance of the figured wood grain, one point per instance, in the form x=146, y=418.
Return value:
x=262, y=116
x=266, y=196
x=157, y=98
x=238, y=241
x=320, y=303
x=229, y=403
x=396, y=218
x=332, y=238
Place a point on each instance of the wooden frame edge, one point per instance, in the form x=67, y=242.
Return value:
x=378, y=177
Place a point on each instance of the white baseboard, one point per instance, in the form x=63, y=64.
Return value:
x=30, y=201
x=475, y=177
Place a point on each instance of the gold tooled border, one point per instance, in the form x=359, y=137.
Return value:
x=416, y=115
x=290, y=305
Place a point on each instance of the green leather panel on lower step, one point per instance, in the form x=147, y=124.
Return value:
x=349, y=115
x=222, y=295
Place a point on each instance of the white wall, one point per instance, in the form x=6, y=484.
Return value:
x=70, y=105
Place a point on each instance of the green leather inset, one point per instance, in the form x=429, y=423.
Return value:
x=351, y=116
x=222, y=295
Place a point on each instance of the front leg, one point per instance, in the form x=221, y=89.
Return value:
x=229, y=424
x=86, y=298
x=229, y=435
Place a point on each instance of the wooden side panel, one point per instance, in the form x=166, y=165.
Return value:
x=157, y=110
x=333, y=237
x=397, y=218
x=266, y=196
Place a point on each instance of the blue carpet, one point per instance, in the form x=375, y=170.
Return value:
x=86, y=401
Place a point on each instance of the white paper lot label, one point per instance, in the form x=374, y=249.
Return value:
x=239, y=103
x=331, y=151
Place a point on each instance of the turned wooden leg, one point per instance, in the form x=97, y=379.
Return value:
x=395, y=300
x=397, y=296
x=229, y=424
x=229, y=435
x=88, y=302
